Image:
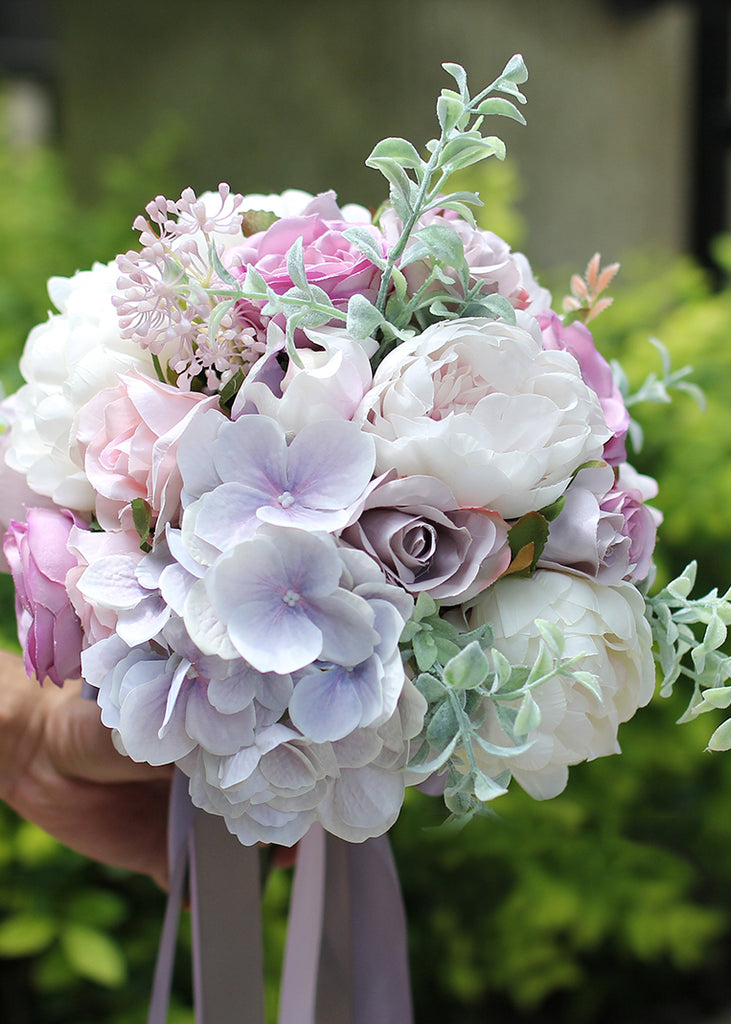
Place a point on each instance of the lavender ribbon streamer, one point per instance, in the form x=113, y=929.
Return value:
x=180, y=822
x=346, y=960
x=225, y=904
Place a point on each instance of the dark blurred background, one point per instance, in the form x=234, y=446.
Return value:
x=612, y=902
x=269, y=96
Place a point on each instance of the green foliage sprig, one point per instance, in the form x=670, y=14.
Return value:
x=417, y=185
x=460, y=674
x=678, y=651
x=655, y=389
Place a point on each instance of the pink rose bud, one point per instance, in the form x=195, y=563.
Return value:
x=48, y=627
x=596, y=373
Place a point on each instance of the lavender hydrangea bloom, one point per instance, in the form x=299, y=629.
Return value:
x=275, y=682
x=279, y=597
x=274, y=790
x=248, y=475
x=331, y=700
x=163, y=705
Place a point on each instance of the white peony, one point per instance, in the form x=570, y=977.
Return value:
x=481, y=406
x=67, y=360
x=329, y=384
x=607, y=627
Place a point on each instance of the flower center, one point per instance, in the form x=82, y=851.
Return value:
x=285, y=499
x=291, y=598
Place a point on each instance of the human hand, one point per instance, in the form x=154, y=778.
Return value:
x=59, y=769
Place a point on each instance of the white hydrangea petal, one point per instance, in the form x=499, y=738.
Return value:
x=204, y=625
x=140, y=726
x=362, y=803
x=326, y=705
x=345, y=619
x=253, y=452
x=215, y=732
x=331, y=462
x=111, y=581
x=196, y=466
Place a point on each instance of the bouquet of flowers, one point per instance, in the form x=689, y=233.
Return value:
x=322, y=503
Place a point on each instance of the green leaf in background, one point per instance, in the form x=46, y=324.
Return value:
x=26, y=934
x=33, y=846
x=94, y=955
x=99, y=908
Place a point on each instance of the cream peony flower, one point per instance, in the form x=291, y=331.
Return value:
x=607, y=627
x=481, y=406
x=68, y=360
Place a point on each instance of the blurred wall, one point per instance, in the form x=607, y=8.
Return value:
x=282, y=94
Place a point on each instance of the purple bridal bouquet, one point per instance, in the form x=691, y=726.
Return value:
x=322, y=503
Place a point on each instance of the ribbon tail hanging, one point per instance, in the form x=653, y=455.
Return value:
x=346, y=960
x=180, y=821
x=228, y=968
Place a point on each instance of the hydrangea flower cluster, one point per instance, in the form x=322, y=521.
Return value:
x=327, y=502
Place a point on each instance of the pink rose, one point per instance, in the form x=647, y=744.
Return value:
x=48, y=627
x=128, y=438
x=331, y=261
x=424, y=541
x=597, y=373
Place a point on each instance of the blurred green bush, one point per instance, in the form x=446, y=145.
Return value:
x=612, y=902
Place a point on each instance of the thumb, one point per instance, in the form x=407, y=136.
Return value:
x=82, y=747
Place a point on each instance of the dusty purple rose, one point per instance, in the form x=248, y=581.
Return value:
x=597, y=374
x=605, y=531
x=331, y=261
x=49, y=629
x=424, y=541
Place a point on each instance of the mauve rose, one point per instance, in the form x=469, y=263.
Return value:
x=604, y=531
x=642, y=520
x=597, y=374
x=331, y=261
x=424, y=541
x=48, y=627
x=489, y=257
x=128, y=437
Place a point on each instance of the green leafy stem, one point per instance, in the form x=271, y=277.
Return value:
x=677, y=621
x=460, y=674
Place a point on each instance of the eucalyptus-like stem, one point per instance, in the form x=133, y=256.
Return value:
x=397, y=251
x=465, y=728
x=426, y=195
x=331, y=312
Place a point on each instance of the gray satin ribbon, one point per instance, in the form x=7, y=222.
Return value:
x=228, y=968
x=228, y=975
x=346, y=959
